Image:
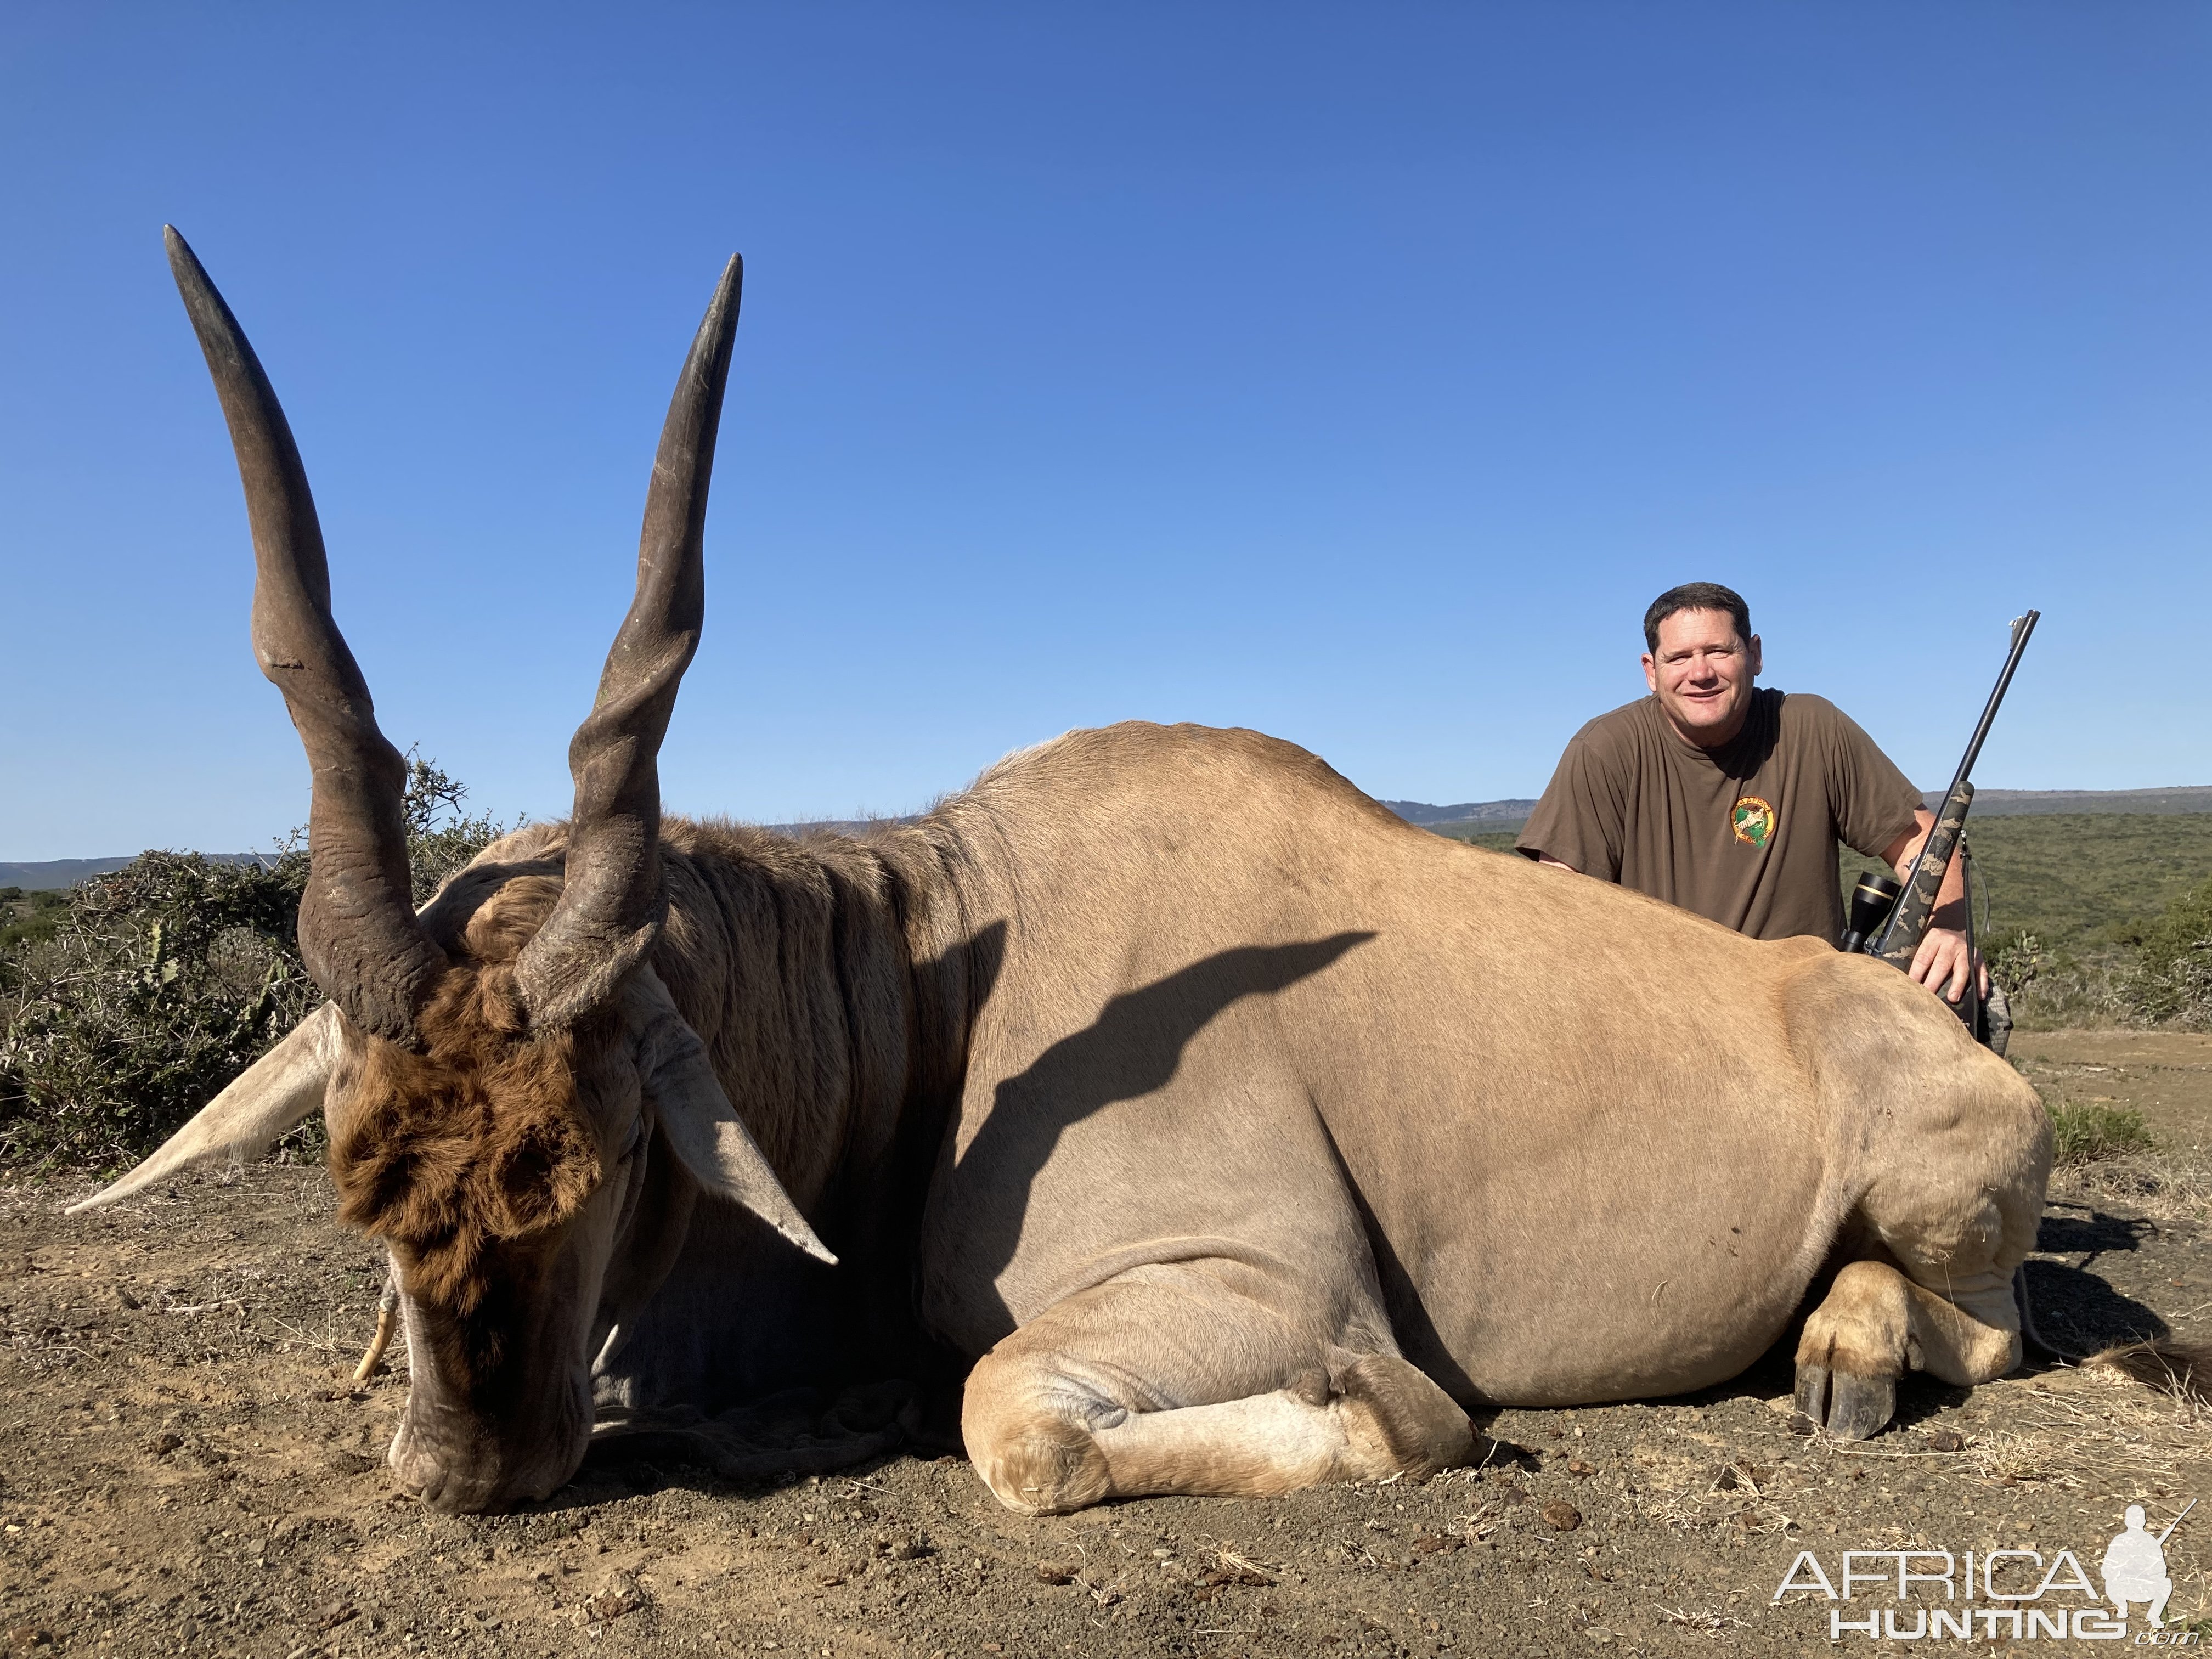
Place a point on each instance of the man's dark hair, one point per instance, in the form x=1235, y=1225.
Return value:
x=1696, y=596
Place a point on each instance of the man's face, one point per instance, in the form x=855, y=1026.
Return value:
x=1702, y=673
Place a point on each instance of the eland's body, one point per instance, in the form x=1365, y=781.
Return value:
x=1241, y=1135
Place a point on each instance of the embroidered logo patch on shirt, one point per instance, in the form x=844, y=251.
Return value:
x=1752, y=820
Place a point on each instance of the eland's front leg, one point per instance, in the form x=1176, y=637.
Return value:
x=1877, y=1325
x=1942, y=1303
x=1170, y=1383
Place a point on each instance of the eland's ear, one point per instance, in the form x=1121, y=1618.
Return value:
x=698, y=1122
x=268, y=1097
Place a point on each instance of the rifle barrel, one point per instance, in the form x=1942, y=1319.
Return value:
x=2177, y=1521
x=2021, y=631
x=1899, y=936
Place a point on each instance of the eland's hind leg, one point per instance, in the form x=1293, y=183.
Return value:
x=1165, y=1381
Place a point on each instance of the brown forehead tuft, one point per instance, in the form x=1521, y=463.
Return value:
x=477, y=1140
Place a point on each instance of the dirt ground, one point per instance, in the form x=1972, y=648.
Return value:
x=185, y=1468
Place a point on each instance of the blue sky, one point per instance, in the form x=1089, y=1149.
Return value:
x=1356, y=374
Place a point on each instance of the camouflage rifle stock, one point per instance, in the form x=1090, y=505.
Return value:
x=1900, y=936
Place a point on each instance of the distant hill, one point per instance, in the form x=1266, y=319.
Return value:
x=1467, y=811
x=2016, y=802
x=1505, y=818
x=67, y=872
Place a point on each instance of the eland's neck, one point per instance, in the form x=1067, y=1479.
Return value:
x=834, y=981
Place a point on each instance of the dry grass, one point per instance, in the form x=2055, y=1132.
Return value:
x=1244, y=1566
x=2151, y=1183
x=2014, y=1459
x=1690, y=1494
x=2093, y=1428
x=1709, y=1623
x=2164, y=1363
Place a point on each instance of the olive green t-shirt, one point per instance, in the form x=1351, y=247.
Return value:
x=1745, y=834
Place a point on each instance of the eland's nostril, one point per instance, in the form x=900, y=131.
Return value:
x=467, y=1462
x=454, y=1497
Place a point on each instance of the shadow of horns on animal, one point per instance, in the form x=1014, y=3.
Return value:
x=1114, y=1078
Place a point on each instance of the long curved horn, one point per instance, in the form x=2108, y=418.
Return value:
x=358, y=929
x=245, y=1120
x=611, y=903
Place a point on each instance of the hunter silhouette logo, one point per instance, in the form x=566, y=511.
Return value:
x=1985, y=1594
x=2135, y=1567
x=1752, y=820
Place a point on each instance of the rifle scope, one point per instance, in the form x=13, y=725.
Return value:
x=1871, y=901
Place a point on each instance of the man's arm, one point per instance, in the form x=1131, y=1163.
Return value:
x=1576, y=825
x=1944, y=959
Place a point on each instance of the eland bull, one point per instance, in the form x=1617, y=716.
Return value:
x=1233, y=1133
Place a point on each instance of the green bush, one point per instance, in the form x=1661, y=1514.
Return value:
x=2173, y=978
x=162, y=981
x=2088, y=1132
x=30, y=918
x=2017, y=959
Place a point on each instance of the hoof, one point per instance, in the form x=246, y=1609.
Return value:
x=1422, y=1430
x=1848, y=1405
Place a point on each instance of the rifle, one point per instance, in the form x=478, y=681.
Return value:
x=1898, y=938
x=2176, y=1521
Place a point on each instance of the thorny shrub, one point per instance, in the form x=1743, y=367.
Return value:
x=440, y=837
x=2053, y=988
x=165, y=979
x=2017, y=959
x=2172, y=980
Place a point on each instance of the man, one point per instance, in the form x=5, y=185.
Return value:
x=1729, y=800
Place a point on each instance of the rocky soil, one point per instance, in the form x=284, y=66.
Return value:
x=184, y=1467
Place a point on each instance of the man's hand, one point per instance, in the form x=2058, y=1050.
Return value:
x=1943, y=961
